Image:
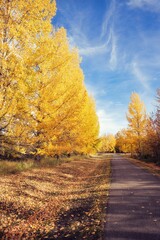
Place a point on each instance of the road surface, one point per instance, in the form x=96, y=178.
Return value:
x=134, y=203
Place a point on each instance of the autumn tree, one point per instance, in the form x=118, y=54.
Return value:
x=108, y=143
x=152, y=141
x=143, y=133
x=136, y=117
x=21, y=24
x=44, y=103
x=60, y=102
x=126, y=142
x=158, y=112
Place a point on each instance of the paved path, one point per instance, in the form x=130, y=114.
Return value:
x=134, y=203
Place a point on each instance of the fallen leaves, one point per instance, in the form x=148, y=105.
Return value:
x=63, y=202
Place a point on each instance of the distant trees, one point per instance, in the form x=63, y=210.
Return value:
x=44, y=105
x=132, y=139
x=124, y=141
x=45, y=108
x=137, y=120
x=142, y=137
x=153, y=132
x=107, y=143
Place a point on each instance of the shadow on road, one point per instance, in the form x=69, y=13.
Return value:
x=134, y=203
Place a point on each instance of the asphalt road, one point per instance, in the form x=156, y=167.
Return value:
x=134, y=203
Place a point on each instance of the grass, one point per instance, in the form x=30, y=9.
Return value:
x=63, y=202
x=8, y=167
x=14, y=167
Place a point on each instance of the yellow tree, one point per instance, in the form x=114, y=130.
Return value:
x=60, y=107
x=137, y=119
x=59, y=97
x=108, y=143
x=44, y=102
x=21, y=23
x=87, y=129
x=125, y=142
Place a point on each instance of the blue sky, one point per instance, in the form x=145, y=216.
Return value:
x=119, y=42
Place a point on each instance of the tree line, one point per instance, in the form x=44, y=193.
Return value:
x=45, y=108
x=142, y=136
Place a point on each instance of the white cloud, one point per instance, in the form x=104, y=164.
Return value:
x=152, y=5
x=94, y=50
x=113, y=55
x=108, y=19
x=145, y=78
x=96, y=92
x=109, y=122
x=100, y=46
x=108, y=49
x=111, y=114
x=142, y=78
x=149, y=101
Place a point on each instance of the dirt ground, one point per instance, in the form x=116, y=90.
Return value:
x=64, y=202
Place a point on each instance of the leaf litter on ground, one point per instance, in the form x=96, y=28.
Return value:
x=64, y=202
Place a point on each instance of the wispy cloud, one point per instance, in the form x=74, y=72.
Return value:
x=106, y=48
x=108, y=19
x=113, y=54
x=96, y=49
x=151, y=5
x=89, y=45
x=142, y=78
x=120, y=52
x=108, y=30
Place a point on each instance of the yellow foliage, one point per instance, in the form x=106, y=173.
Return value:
x=125, y=141
x=107, y=143
x=44, y=105
x=137, y=120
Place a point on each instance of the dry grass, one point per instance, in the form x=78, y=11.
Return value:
x=14, y=167
x=64, y=202
x=150, y=166
x=8, y=167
